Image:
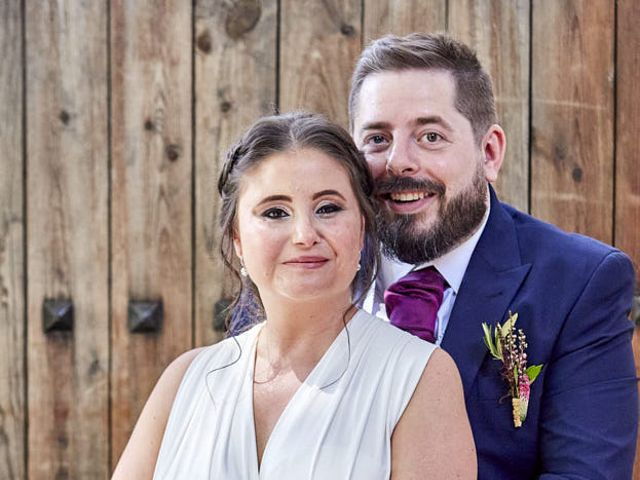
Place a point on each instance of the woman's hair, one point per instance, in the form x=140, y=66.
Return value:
x=278, y=134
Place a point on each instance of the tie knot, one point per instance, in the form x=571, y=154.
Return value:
x=412, y=302
x=426, y=278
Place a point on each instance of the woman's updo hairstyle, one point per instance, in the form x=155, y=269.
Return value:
x=279, y=134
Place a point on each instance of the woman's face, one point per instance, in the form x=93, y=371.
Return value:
x=299, y=228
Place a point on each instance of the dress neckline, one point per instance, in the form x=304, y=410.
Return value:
x=325, y=373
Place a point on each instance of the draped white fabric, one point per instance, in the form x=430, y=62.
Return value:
x=337, y=425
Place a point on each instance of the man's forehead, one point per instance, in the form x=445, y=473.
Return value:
x=412, y=96
x=421, y=79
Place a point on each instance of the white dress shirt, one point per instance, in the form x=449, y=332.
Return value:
x=452, y=266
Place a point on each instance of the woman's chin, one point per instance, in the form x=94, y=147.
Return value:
x=324, y=294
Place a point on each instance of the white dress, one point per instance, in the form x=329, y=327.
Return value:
x=337, y=425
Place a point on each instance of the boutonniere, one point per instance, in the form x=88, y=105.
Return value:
x=509, y=346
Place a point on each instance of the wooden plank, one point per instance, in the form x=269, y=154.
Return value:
x=627, y=219
x=400, y=18
x=235, y=68
x=627, y=226
x=67, y=228
x=151, y=195
x=636, y=354
x=572, y=117
x=12, y=301
x=500, y=33
x=319, y=44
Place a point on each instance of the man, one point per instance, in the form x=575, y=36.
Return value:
x=422, y=111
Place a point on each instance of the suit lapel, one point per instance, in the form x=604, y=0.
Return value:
x=493, y=277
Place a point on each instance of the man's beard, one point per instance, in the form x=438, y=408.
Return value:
x=403, y=236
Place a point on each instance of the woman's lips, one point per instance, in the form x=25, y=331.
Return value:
x=308, y=262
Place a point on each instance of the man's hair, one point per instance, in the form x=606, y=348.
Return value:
x=419, y=51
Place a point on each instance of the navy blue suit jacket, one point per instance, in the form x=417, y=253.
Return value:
x=572, y=295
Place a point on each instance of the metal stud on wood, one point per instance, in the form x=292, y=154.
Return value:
x=57, y=315
x=144, y=316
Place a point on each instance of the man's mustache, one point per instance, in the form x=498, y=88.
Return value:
x=408, y=184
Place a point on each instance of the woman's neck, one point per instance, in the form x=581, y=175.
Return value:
x=296, y=336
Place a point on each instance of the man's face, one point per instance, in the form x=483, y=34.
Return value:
x=430, y=173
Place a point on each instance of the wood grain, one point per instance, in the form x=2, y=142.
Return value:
x=235, y=68
x=67, y=225
x=319, y=44
x=499, y=31
x=383, y=17
x=12, y=302
x=151, y=195
x=636, y=354
x=627, y=219
x=572, y=126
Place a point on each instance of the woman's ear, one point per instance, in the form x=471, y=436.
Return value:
x=363, y=231
x=237, y=244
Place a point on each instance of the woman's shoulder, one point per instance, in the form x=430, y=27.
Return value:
x=224, y=352
x=435, y=416
x=391, y=338
x=177, y=368
x=186, y=371
x=141, y=452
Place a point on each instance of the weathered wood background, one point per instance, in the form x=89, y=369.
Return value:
x=113, y=119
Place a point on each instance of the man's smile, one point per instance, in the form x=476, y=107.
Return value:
x=408, y=202
x=408, y=196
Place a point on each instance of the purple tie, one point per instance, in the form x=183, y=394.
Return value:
x=413, y=302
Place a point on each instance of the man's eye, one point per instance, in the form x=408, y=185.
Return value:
x=432, y=137
x=375, y=140
x=275, y=213
x=328, y=209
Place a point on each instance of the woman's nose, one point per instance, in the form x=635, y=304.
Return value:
x=305, y=231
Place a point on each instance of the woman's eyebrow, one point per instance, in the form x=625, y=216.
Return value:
x=286, y=198
x=328, y=192
x=275, y=198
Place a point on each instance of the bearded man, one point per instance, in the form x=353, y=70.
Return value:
x=423, y=112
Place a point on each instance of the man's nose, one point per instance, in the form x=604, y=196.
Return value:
x=401, y=160
x=305, y=231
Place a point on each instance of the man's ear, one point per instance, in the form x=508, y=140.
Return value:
x=494, y=145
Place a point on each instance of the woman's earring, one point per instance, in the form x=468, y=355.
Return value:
x=358, y=267
x=243, y=271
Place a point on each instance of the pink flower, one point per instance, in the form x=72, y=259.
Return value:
x=509, y=345
x=523, y=391
x=524, y=387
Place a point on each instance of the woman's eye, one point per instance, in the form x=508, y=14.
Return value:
x=377, y=139
x=328, y=209
x=275, y=213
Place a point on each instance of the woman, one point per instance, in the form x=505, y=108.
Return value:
x=319, y=389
